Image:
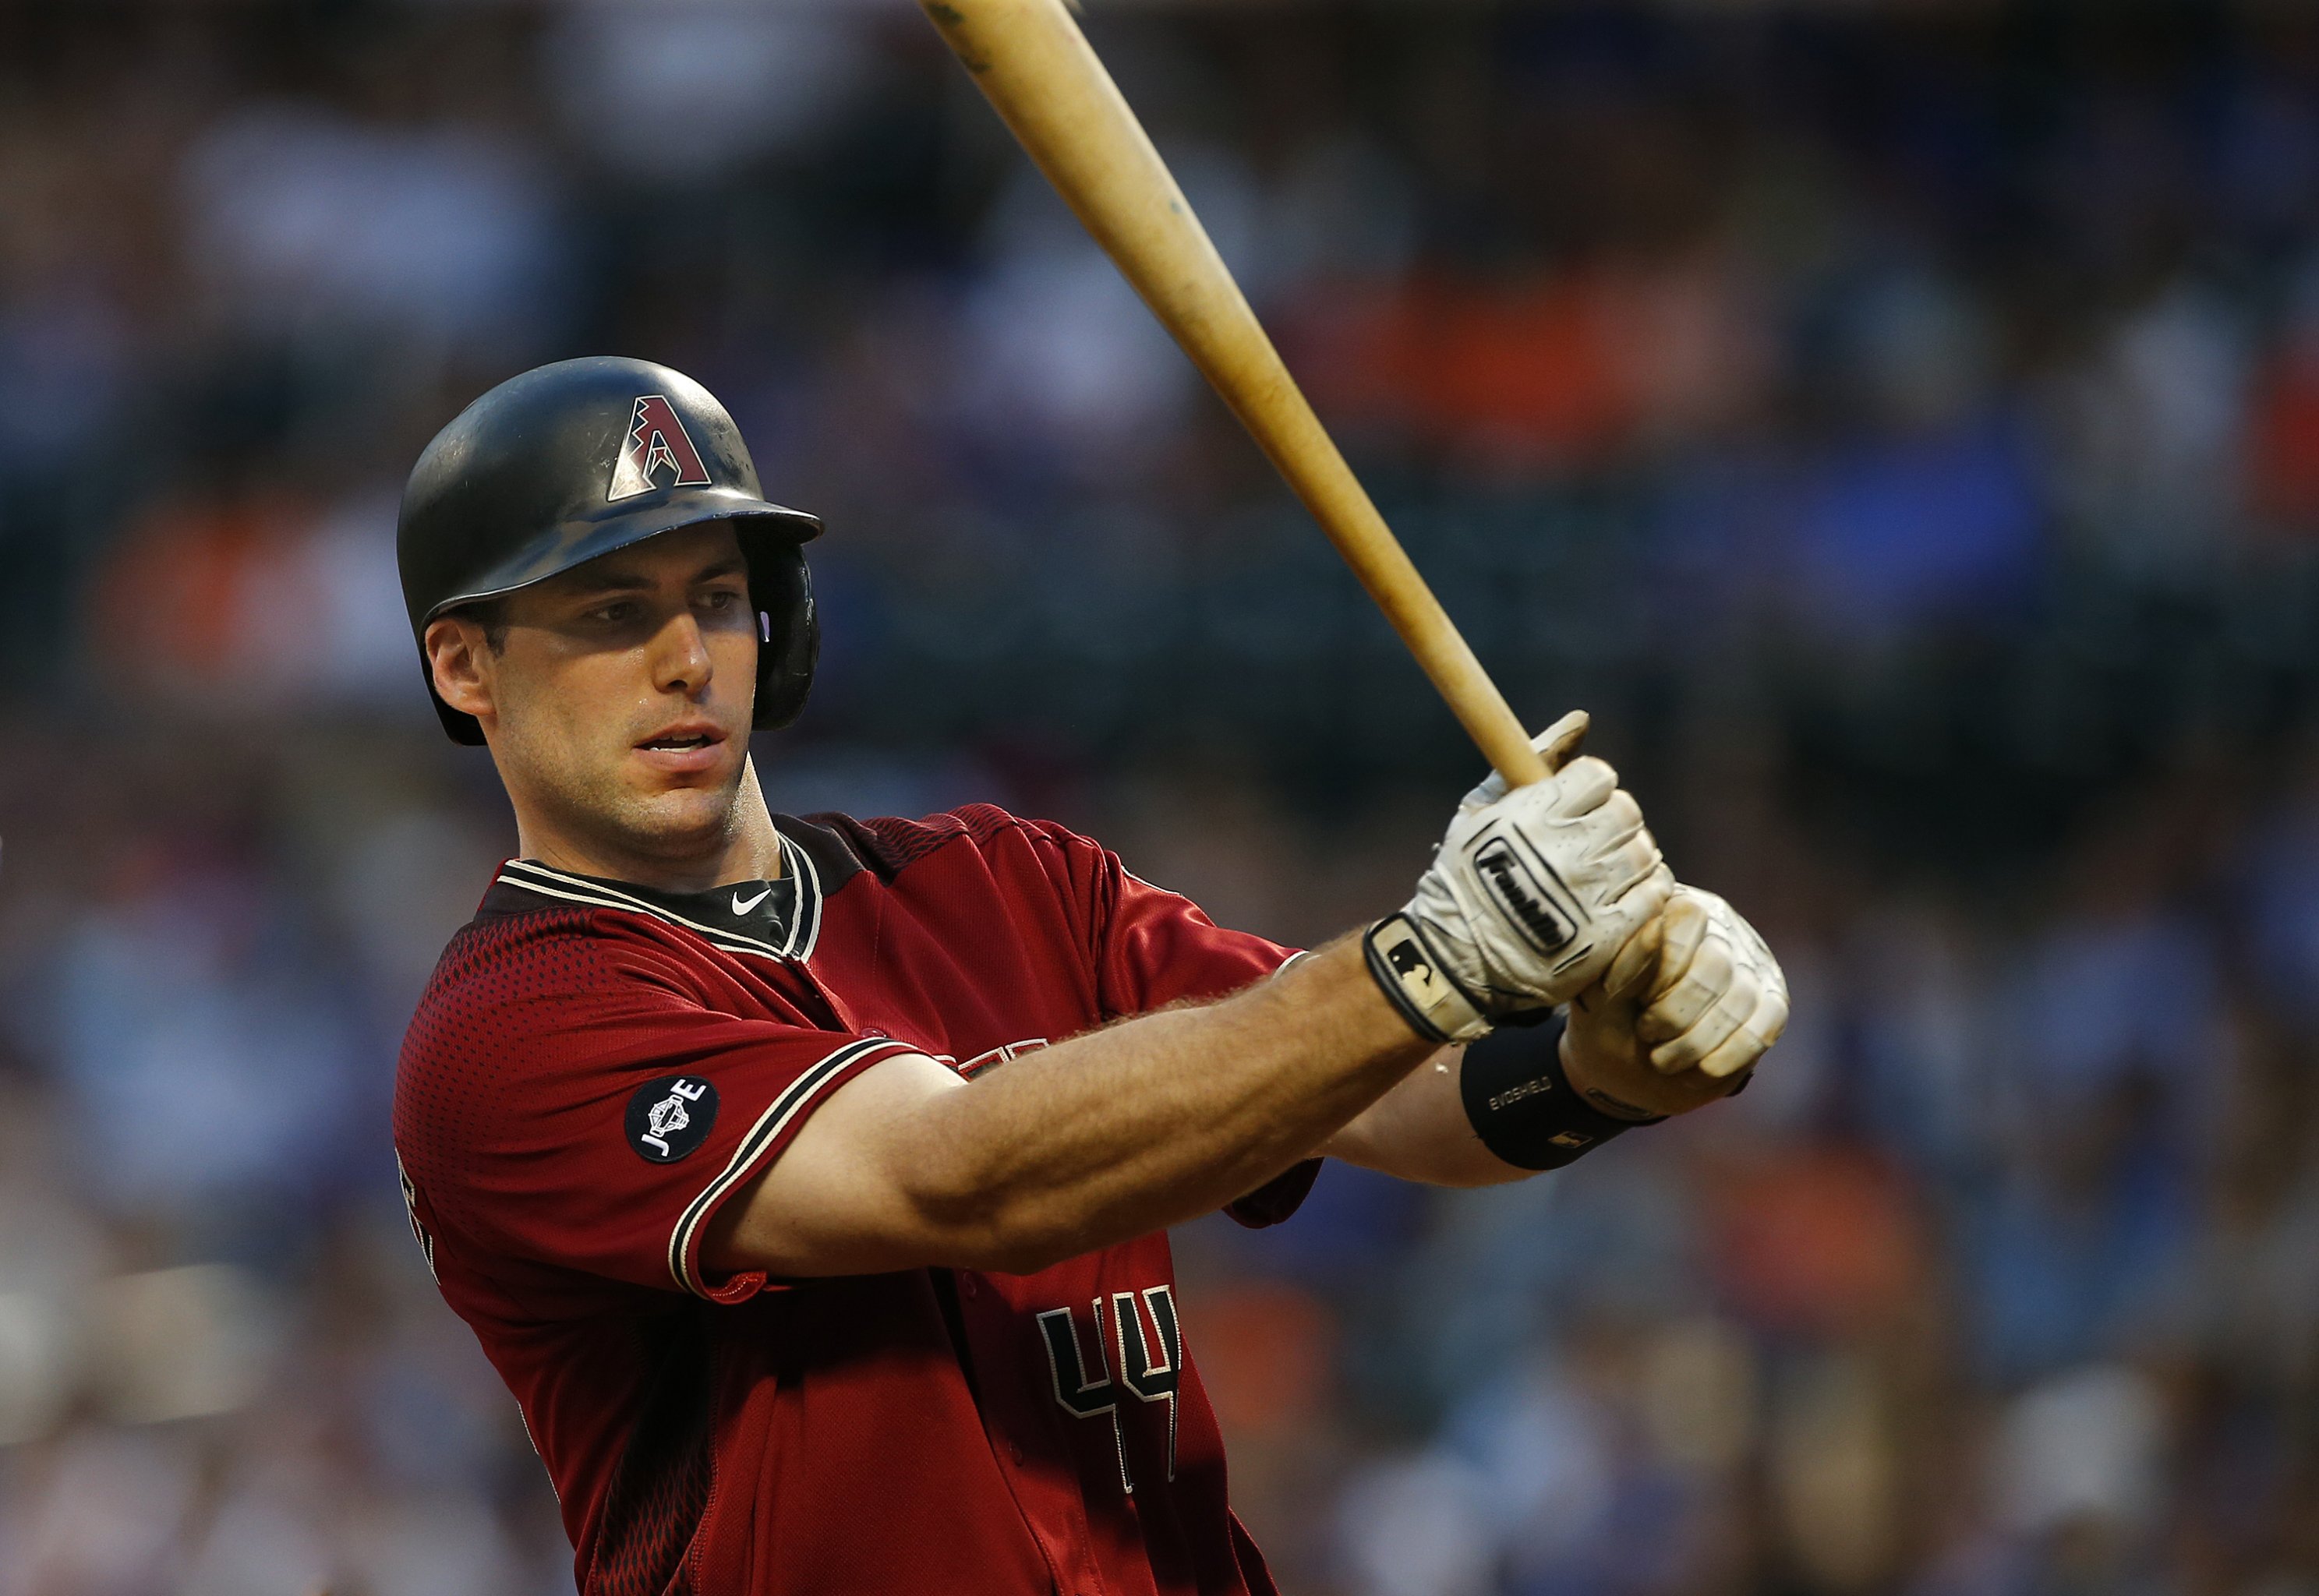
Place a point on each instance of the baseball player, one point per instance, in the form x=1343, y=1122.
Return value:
x=807, y=1179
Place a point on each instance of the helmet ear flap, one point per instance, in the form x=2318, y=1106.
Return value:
x=789, y=631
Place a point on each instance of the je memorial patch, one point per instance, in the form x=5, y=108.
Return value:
x=670, y=1116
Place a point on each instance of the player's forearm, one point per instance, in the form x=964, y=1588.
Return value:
x=1420, y=1131
x=1164, y=1117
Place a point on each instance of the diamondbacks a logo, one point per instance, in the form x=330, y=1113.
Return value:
x=669, y=1117
x=656, y=442
x=1521, y=897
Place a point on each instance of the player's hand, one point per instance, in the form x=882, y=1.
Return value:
x=1685, y=1010
x=1528, y=898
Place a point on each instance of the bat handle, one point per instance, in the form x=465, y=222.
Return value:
x=1446, y=657
x=1520, y=770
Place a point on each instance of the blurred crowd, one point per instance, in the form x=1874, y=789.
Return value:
x=1900, y=426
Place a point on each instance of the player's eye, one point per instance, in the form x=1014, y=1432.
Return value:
x=614, y=613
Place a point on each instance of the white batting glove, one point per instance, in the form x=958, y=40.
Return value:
x=1528, y=898
x=1685, y=1011
x=1721, y=999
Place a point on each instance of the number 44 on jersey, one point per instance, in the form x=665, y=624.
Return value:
x=1148, y=1369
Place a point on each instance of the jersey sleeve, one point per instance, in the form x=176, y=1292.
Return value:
x=595, y=1116
x=1154, y=947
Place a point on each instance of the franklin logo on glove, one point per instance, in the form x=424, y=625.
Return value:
x=1520, y=897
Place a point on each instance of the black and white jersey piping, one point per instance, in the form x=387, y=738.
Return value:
x=804, y=929
x=769, y=1125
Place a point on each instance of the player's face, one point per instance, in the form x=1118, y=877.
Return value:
x=623, y=693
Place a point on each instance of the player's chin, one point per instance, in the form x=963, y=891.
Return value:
x=709, y=783
x=680, y=819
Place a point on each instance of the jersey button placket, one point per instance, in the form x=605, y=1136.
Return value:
x=1042, y=1503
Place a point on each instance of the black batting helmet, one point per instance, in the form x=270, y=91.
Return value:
x=573, y=460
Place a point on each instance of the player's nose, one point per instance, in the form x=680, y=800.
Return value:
x=681, y=661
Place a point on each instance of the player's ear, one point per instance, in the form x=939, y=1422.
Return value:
x=458, y=659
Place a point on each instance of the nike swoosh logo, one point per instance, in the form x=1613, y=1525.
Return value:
x=742, y=909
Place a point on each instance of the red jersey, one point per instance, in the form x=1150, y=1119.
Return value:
x=596, y=1067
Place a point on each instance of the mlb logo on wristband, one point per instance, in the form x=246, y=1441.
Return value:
x=1405, y=969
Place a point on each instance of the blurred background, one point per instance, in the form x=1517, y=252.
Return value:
x=1898, y=423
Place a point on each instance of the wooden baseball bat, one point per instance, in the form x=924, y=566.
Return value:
x=1036, y=67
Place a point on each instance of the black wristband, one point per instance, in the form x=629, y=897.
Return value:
x=1522, y=1105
